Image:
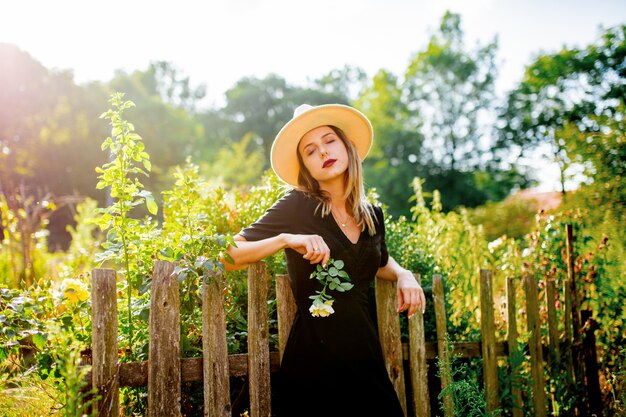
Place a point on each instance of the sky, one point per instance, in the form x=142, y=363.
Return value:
x=217, y=42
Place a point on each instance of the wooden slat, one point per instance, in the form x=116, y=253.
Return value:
x=536, y=354
x=488, y=337
x=164, y=391
x=258, y=342
x=442, y=332
x=286, y=311
x=516, y=380
x=574, y=311
x=389, y=334
x=104, y=341
x=418, y=365
x=590, y=356
x=553, y=330
x=135, y=374
x=215, y=348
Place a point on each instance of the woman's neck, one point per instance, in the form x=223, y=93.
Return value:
x=335, y=190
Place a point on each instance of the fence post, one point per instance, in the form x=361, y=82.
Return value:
x=164, y=379
x=574, y=311
x=536, y=354
x=258, y=342
x=104, y=370
x=286, y=311
x=488, y=336
x=553, y=330
x=418, y=364
x=214, y=348
x=389, y=334
x=444, y=359
x=591, y=363
x=514, y=353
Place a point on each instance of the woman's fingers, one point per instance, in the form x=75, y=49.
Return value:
x=316, y=250
x=411, y=299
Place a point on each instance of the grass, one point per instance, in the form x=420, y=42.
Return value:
x=28, y=396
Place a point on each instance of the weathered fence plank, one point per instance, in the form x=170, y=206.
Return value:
x=258, y=342
x=488, y=336
x=553, y=331
x=389, y=334
x=514, y=353
x=574, y=311
x=135, y=374
x=417, y=363
x=164, y=390
x=215, y=349
x=286, y=310
x=104, y=371
x=442, y=336
x=534, y=344
x=591, y=364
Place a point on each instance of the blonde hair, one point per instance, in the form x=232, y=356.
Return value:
x=354, y=191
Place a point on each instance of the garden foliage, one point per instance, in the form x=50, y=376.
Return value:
x=199, y=218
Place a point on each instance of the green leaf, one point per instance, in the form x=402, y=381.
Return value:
x=338, y=264
x=228, y=258
x=333, y=271
x=151, y=205
x=39, y=339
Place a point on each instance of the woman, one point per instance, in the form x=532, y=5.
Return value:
x=333, y=357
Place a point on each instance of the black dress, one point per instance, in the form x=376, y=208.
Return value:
x=332, y=366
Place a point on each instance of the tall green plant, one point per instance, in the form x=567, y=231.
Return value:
x=120, y=176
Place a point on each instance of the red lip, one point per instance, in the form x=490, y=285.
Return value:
x=328, y=163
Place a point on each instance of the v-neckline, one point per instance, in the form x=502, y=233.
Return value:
x=337, y=226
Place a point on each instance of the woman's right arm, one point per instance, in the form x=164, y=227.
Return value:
x=312, y=247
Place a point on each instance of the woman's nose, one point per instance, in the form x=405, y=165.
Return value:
x=323, y=152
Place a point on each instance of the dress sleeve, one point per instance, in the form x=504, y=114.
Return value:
x=380, y=229
x=277, y=219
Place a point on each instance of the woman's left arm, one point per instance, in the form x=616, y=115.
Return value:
x=410, y=294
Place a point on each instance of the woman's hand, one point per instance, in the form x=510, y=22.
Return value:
x=410, y=294
x=312, y=247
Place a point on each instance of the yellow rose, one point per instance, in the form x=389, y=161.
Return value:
x=74, y=290
x=322, y=310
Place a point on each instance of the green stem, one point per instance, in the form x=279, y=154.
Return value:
x=125, y=245
x=129, y=291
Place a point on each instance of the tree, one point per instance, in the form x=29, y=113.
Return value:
x=573, y=102
x=347, y=82
x=163, y=116
x=395, y=157
x=429, y=124
x=263, y=106
x=452, y=88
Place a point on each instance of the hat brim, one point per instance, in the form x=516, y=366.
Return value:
x=354, y=124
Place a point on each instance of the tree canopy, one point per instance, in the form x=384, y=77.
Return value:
x=439, y=121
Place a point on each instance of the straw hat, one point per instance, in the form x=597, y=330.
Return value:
x=284, y=156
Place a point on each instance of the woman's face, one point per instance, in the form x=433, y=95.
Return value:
x=323, y=154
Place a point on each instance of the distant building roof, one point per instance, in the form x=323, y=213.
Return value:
x=543, y=200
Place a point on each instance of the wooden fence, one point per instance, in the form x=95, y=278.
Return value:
x=164, y=372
